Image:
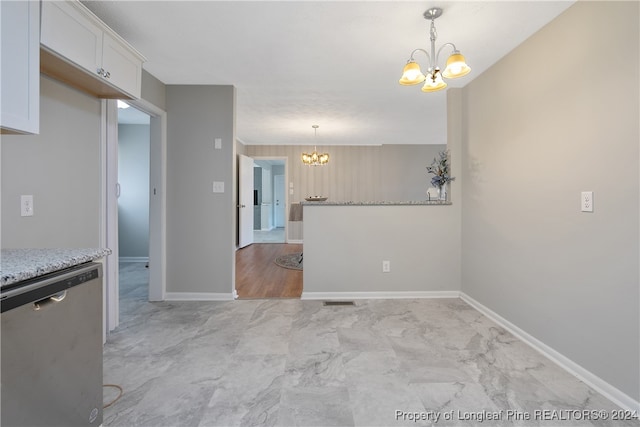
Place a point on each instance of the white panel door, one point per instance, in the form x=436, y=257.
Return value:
x=279, y=199
x=245, y=201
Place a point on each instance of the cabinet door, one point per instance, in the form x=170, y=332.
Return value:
x=20, y=66
x=68, y=33
x=124, y=69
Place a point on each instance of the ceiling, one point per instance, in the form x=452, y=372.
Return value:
x=332, y=63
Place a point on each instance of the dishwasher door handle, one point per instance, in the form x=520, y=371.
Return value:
x=39, y=305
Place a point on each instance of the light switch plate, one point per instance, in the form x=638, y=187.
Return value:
x=218, y=186
x=217, y=143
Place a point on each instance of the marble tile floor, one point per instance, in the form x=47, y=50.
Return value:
x=290, y=362
x=275, y=235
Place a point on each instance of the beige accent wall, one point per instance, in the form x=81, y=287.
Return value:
x=558, y=116
x=355, y=173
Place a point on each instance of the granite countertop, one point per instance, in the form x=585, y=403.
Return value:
x=379, y=203
x=17, y=265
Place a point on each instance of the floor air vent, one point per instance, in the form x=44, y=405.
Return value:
x=338, y=303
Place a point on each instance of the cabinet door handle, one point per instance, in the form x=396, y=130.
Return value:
x=103, y=73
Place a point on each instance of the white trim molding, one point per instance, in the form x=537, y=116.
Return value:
x=134, y=259
x=601, y=386
x=198, y=296
x=295, y=241
x=378, y=295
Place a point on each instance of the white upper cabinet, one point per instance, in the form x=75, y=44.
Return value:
x=20, y=67
x=123, y=67
x=79, y=49
x=67, y=32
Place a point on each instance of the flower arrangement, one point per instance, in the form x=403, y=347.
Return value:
x=440, y=170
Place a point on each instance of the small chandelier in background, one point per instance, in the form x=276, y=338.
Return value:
x=456, y=65
x=315, y=158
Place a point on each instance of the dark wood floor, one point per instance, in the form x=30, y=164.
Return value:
x=258, y=276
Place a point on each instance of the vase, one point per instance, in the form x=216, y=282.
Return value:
x=442, y=192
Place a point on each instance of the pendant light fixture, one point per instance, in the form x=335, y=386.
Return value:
x=315, y=158
x=433, y=80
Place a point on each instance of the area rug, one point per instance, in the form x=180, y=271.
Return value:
x=292, y=261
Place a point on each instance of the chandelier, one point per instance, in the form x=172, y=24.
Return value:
x=315, y=158
x=433, y=81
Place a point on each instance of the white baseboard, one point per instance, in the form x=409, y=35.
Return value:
x=601, y=386
x=378, y=295
x=295, y=241
x=198, y=296
x=133, y=259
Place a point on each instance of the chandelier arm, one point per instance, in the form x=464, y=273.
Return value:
x=442, y=47
x=419, y=50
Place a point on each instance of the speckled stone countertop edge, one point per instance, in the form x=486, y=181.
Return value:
x=17, y=265
x=407, y=203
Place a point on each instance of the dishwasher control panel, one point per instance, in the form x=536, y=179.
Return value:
x=46, y=286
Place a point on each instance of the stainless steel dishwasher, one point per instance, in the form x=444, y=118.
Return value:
x=52, y=349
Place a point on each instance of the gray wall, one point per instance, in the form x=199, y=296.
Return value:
x=153, y=90
x=133, y=203
x=344, y=247
x=200, y=224
x=536, y=134
x=60, y=167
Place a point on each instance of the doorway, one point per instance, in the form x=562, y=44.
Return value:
x=157, y=206
x=257, y=273
x=134, y=151
x=269, y=201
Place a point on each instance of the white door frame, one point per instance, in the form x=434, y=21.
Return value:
x=276, y=205
x=157, y=205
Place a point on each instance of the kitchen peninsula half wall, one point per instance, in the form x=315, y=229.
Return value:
x=381, y=250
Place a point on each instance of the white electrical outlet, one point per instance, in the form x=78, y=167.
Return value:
x=587, y=201
x=218, y=186
x=26, y=205
x=386, y=266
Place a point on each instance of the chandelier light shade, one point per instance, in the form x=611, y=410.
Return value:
x=315, y=158
x=434, y=79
